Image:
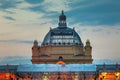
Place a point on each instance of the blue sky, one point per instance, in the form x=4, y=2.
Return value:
x=23, y=21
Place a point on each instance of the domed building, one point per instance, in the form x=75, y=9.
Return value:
x=62, y=44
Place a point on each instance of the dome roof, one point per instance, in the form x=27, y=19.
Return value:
x=62, y=35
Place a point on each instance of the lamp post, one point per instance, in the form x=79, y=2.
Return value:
x=84, y=75
x=96, y=74
x=58, y=75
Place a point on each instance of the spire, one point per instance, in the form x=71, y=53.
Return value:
x=7, y=68
x=62, y=20
x=35, y=43
x=62, y=12
x=88, y=42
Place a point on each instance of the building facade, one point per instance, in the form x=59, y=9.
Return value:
x=62, y=43
x=60, y=72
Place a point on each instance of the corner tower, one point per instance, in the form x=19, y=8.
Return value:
x=64, y=42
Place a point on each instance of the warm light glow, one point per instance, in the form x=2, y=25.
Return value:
x=45, y=78
x=60, y=62
x=4, y=76
x=117, y=74
x=76, y=78
x=7, y=75
x=104, y=74
x=109, y=75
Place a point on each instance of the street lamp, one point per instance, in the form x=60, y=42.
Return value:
x=84, y=76
x=96, y=74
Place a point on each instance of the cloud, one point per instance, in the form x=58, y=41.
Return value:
x=34, y=1
x=50, y=6
x=84, y=11
x=9, y=18
x=15, y=60
x=19, y=41
x=104, y=40
x=103, y=12
x=6, y=4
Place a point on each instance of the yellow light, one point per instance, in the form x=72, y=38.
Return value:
x=104, y=73
x=117, y=73
x=76, y=77
x=7, y=75
x=45, y=78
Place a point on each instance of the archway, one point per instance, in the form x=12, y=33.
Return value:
x=60, y=62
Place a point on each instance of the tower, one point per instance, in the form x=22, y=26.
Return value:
x=88, y=48
x=35, y=49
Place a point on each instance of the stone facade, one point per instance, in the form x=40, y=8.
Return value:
x=70, y=54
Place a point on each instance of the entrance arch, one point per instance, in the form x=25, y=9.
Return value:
x=60, y=62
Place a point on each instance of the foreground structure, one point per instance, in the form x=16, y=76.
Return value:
x=62, y=43
x=60, y=72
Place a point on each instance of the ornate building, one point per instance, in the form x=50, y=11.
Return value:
x=62, y=43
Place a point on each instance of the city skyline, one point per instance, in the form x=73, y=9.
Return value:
x=24, y=21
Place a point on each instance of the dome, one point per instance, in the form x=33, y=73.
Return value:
x=62, y=35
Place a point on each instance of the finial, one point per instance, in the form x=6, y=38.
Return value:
x=35, y=41
x=87, y=40
x=104, y=66
x=7, y=68
x=117, y=68
x=62, y=12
